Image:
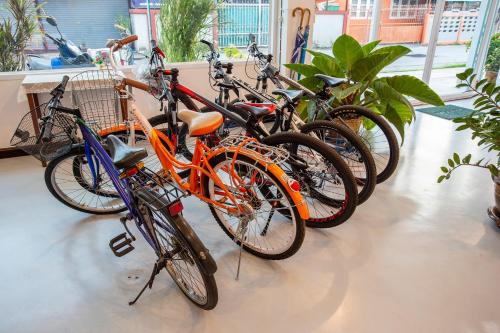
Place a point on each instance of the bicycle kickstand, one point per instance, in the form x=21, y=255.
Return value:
x=158, y=266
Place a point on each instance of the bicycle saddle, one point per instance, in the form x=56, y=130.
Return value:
x=124, y=156
x=330, y=81
x=256, y=111
x=291, y=96
x=200, y=123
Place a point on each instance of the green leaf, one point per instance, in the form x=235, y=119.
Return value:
x=367, y=48
x=450, y=163
x=304, y=69
x=462, y=127
x=456, y=158
x=311, y=83
x=493, y=169
x=441, y=178
x=328, y=65
x=393, y=116
x=347, y=51
x=311, y=110
x=464, y=75
x=444, y=169
x=365, y=69
x=341, y=93
x=411, y=86
x=393, y=52
x=396, y=99
x=466, y=159
x=480, y=83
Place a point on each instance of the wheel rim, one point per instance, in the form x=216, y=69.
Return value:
x=281, y=231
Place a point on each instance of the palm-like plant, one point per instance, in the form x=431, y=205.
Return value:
x=361, y=65
x=16, y=33
x=182, y=22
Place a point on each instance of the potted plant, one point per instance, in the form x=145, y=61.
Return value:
x=484, y=123
x=15, y=33
x=360, y=65
x=492, y=65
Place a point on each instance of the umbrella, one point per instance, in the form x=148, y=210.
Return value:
x=299, y=40
x=306, y=37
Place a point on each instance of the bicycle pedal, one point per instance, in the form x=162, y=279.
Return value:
x=121, y=245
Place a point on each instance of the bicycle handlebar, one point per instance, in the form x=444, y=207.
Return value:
x=58, y=92
x=124, y=41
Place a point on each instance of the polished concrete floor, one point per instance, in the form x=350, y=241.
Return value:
x=417, y=257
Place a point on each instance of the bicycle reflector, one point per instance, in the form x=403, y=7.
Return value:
x=132, y=171
x=175, y=208
x=292, y=183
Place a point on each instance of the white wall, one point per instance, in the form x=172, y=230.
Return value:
x=327, y=28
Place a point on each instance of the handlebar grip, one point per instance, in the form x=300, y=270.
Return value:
x=64, y=82
x=47, y=131
x=122, y=42
x=210, y=45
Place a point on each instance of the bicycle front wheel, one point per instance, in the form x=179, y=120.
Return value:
x=261, y=196
x=179, y=248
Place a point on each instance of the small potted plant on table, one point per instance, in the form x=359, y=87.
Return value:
x=484, y=123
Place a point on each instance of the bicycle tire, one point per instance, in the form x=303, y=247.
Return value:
x=299, y=227
x=185, y=235
x=354, y=152
x=55, y=190
x=388, y=170
x=348, y=206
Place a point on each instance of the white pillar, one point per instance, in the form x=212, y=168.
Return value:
x=482, y=35
x=375, y=22
x=433, y=39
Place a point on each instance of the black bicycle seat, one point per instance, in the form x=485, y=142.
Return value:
x=292, y=96
x=124, y=156
x=330, y=81
x=255, y=111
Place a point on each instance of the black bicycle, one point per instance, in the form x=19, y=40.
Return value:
x=372, y=128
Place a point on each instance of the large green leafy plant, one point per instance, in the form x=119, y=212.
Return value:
x=484, y=123
x=182, y=23
x=361, y=65
x=15, y=34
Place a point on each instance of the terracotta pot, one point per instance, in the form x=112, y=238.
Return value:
x=491, y=76
x=494, y=211
x=354, y=123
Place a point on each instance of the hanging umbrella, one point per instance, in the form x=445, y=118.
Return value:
x=306, y=37
x=299, y=40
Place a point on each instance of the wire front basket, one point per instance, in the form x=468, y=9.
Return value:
x=27, y=135
x=94, y=93
x=258, y=150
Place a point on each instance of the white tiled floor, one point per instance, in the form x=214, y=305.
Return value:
x=417, y=257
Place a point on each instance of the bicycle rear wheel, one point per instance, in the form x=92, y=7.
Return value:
x=327, y=184
x=376, y=134
x=259, y=229
x=69, y=180
x=179, y=245
x=352, y=150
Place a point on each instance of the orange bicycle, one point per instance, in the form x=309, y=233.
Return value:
x=238, y=178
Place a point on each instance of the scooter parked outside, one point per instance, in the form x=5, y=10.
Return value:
x=70, y=55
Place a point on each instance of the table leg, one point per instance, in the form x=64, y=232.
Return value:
x=35, y=114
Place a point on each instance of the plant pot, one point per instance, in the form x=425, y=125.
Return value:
x=491, y=76
x=494, y=211
x=354, y=123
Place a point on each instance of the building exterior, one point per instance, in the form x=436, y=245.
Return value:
x=401, y=21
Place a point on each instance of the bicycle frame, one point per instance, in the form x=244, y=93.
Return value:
x=94, y=148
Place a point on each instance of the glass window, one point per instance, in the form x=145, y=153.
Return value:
x=360, y=8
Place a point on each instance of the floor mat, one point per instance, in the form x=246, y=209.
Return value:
x=447, y=112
